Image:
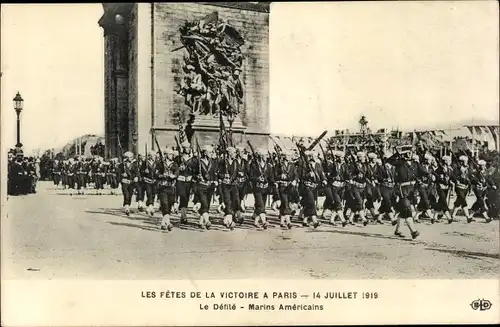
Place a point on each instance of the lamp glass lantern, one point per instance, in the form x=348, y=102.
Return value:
x=18, y=103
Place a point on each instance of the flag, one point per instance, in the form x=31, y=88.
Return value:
x=182, y=134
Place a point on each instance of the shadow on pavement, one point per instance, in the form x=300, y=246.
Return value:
x=467, y=254
x=364, y=234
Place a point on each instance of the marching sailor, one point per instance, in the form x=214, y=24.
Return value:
x=206, y=179
x=166, y=174
x=462, y=178
x=128, y=172
x=261, y=175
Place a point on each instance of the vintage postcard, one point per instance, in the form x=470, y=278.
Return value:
x=250, y=163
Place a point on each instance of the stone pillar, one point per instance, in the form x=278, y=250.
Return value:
x=116, y=112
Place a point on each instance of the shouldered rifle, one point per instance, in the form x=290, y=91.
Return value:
x=162, y=160
x=198, y=150
x=120, y=148
x=306, y=162
x=317, y=140
x=254, y=157
x=179, y=149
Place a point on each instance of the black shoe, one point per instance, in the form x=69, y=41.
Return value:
x=141, y=209
x=365, y=222
x=289, y=225
x=399, y=234
x=316, y=224
x=450, y=221
x=470, y=220
x=394, y=222
x=488, y=220
x=415, y=234
x=433, y=221
x=208, y=225
x=127, y=213
x=231, y=225
x=344, y=223
x=169, y=227
x=305, y=224
x=264, y=225
x=380, y=222
x=184, y=221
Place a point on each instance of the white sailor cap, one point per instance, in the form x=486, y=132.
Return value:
x=360, y=154
x=463, y=158
x=261, y=152
x=415, y=157
x=240, y=149
x=169, y=151
x=481, y=163
x=372, y=155
x=208, y=148
x=185, y=144
x=231, y=150
x=152, y=153
x=378, y=161
x=428, y=156
x=308, y=153
x=128, y=154
x=447, y=158
x=340, y=154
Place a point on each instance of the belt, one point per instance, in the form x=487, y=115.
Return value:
x=388, y=184
x=338, y=184
x=241, y=179
x=206, y=183
x=408, y=183
x=262, y=185
x=227, y=181
x=126, y=181
x=443, y=186
x=360, y=185
x=311, y=185
x=70, y=174
x=164, y=182
x=283, y=182
x=101, y=174
x=184, y=178
x=462, y=186
x=148, y=180
x=57, y=173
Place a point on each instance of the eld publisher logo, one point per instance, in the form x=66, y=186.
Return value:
x=481, y=305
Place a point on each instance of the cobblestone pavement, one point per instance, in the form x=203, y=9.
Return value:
x=52, y=235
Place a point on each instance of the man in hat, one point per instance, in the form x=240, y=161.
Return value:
x=205, y=172
x=228, y=172
x=243, y=183
x=311, y=176
x=261, y=175
x=385, y=178
x=371, y=190
x=444, y=177
x=462, y=177
x=112, y=175
x=286, y=180
x=18, y=174
x=357, y=185
x=139, y=187
x=147, y=175
x=334, y=190
x=479, y=187
x=425, y=179
x=129, y=172
x=405, y=179
x=166, y=173
x=99, y=169
x=186, y=167
x=80, y=173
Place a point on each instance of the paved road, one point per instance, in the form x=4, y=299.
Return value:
x=50, y=235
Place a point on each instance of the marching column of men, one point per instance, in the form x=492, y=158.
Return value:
x=360, y=187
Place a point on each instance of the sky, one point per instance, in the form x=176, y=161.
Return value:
x=401, y=64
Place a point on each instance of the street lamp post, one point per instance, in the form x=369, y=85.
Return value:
x=18, y=107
